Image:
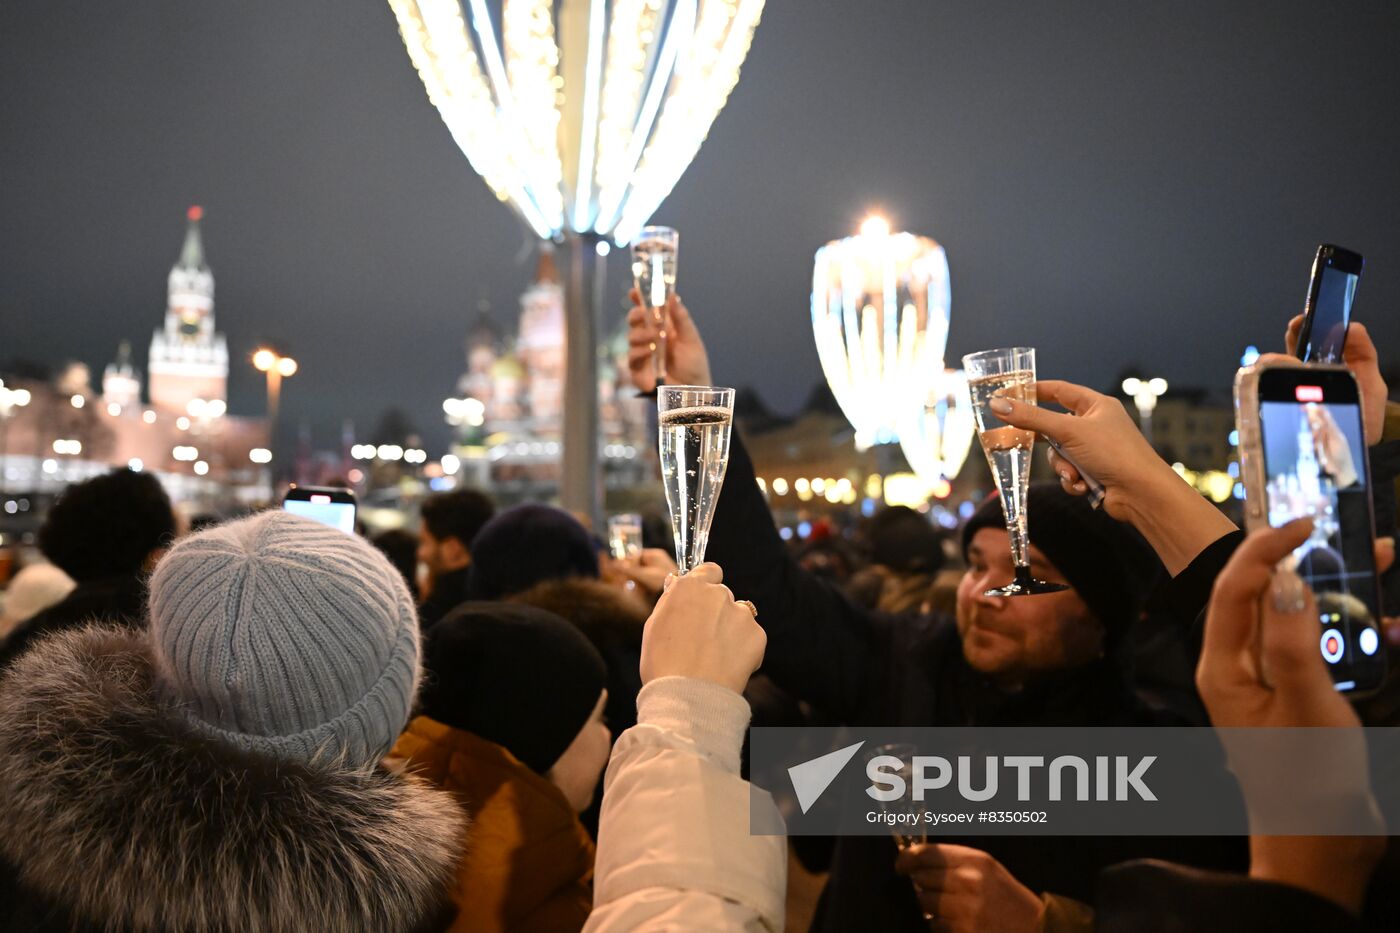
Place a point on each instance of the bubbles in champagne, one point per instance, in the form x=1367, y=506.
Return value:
x=1008, y=448
x=654, y=269
x=694, y=446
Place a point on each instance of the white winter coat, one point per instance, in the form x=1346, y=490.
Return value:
x=674, y=848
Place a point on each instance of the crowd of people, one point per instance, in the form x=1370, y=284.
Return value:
x=269, y=724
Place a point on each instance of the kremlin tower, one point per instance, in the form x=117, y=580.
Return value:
x=188, y=359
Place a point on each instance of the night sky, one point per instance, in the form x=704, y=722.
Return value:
x=1114, y=183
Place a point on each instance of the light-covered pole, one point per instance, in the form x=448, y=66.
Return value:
x=581, y=115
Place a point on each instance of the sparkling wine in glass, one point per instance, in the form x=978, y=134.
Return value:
x=625, y=535
x=654, y=271
x=910, y=828
x=694, y=442
x=1010, y=374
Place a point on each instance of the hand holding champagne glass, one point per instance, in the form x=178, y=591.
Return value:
x=694, y=431
x=1009, y=374
x=654, y=255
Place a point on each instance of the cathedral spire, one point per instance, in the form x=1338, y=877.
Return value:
x=192, y=255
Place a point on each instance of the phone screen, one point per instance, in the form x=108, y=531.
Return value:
x=323, y=509
x=1330, y=313
x=1315, y=466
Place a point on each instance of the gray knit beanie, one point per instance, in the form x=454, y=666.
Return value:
x=284, y=636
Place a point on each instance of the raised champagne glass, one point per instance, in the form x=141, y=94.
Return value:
x=654, y=254
x=694, y=442
x=906, y=814
x=625, y=535
x=1008, y=373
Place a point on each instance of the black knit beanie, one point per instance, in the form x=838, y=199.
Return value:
x=514, y=675
x=526, y=545
x=1109, y=565
x=903, y=540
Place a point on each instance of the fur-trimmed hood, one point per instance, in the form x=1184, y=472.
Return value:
x=598, y=609
x=118, y=812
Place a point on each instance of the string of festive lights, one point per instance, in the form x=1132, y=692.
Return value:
x=582, y=114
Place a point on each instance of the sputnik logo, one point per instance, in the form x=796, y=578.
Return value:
x=811, y=778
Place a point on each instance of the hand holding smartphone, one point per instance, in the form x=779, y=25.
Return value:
x=1303, y=454
x=1327, y=315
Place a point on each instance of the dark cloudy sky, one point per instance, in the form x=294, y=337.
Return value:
x=1113, y=182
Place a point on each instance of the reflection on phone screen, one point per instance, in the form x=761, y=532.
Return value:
x=336, y=514
x=1335, y=292
x=1314, y=457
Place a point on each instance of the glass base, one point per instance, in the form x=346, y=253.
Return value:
x=1026, y=585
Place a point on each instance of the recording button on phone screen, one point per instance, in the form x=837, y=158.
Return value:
x=1332, y=646
x=1369, y=640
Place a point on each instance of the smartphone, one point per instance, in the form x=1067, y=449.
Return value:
x=328, y=505
x=1096, y=491
x=1327, y=314
x=1303, y=453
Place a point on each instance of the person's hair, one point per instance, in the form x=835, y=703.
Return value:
x=904, y=541
x=458, y=514
x=402, y=550
x=880, y=588
x=108, y=525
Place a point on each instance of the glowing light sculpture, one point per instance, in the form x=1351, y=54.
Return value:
x=880, y=310
x=582, y=115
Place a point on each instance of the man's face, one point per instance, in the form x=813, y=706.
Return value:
x=428, y=548
x=440, y=555
x=1010, y=638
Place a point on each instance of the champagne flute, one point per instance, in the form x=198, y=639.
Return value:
x=654, y=254
x=914, y=831
x=625, y=535
x=694, y=443
x=1008, y=373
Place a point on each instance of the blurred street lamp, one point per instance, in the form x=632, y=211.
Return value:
x=1144, y=393
x=10, y=399
x=277, y=367
x=880, y=310
x=464, y=411
x=582, y=115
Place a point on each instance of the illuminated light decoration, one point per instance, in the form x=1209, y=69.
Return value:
x=78, y=401
x=114, y=409
x=260, y=455
x=881, y=303
x=185, y=454
x=582, y=114
x=780, y=486
x=937, y=437
x=201, y=468
x=148, y=416
x=907, y=489
x=135, y=465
